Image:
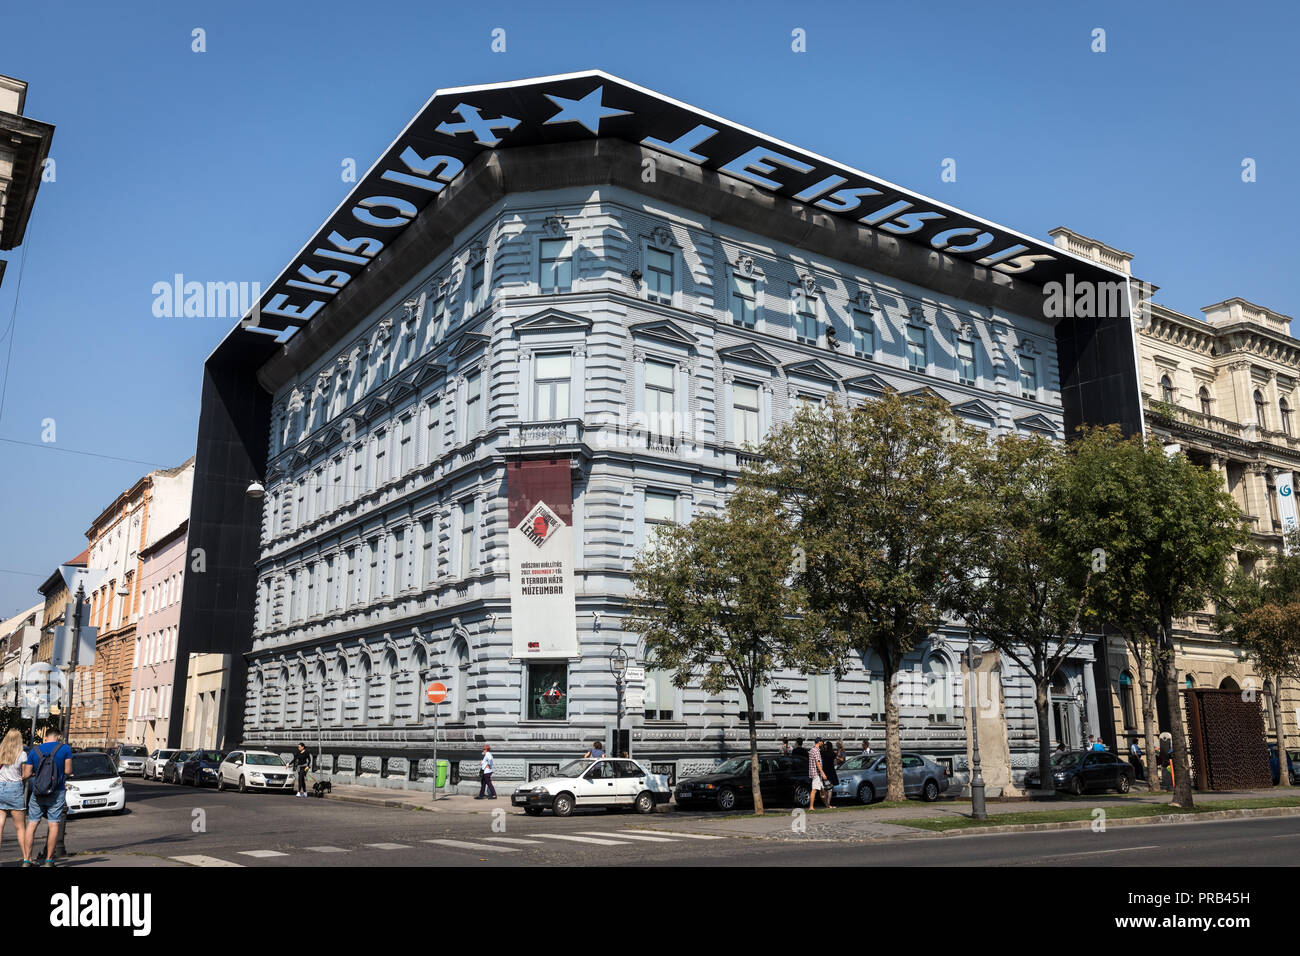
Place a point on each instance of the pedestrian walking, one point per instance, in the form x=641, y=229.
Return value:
x=1135, y=759
x=817, y=777
x=12, y=759
x=47, y=767
x=485, y=775
x=866, y=748
x=828, y=768
x=301, y=764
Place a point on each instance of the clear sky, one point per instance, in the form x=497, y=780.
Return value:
x=219, y=165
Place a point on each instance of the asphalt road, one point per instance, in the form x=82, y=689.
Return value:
x=167, y=825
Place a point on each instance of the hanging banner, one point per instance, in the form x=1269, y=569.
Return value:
x=542, y=611
x=1286, y=507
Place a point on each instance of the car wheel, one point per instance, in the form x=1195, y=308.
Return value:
x=562, y=805
x=533, y=811
x=221, y=783
x=1076, y=786
x=726, y=799
x=866, y=793
x=645, y=802
x=930, y=792
x=1124, y=783
x=802, y=793
x=243, y=787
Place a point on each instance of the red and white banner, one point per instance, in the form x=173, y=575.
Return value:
x=542, y=611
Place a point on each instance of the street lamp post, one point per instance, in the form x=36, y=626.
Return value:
x=973, y=660
x=618, y=667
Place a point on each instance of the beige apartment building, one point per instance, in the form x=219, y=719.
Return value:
x=1223, y=388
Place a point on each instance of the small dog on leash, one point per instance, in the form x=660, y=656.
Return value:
x=320, y=788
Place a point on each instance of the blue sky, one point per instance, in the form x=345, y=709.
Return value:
x=219, y=165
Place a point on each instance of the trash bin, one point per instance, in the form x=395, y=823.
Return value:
x=443, y=768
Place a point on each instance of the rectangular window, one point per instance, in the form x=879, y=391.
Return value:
x=312, y=590
x=426, y=543
x=744, y=302
x=966, y=362
x=336, y=492
x=659, y=276
x=409, y=330
x=328, y=596
x=473, y=404
x=548, y=690
x=807, y=328
x=660, y=696
x=353, y=592
x=864, y=334
x=437, y=318
x=820, y=689
x=372, y=556
x=744, y=402
x=408, y=445
x=318, y=493
x=467, y=534
x=399, y=560
x=557, y=265
x=660, y=509
x=660, y=397
x=916, y=357
x=1028, y=375
x=551, y=386
x=358, y=481
x=381, y=459
x=431, y=443
x=293, y=596
x=476, y=285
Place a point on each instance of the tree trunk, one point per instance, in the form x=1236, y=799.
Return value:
x=893, y=741
x=1283, y=775
x=1146, y=684
x=1182, y=768
x=1042, y=704
x=753, y=756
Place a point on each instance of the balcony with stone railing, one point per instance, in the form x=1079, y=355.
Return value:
x=1173, y=414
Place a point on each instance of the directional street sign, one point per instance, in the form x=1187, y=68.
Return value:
x=63, y=646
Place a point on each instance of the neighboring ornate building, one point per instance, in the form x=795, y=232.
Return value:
x=153, y=661
x=24, y=147
x=19, y=638
x=563, y=344
x=55, y=592
x=1224, y=389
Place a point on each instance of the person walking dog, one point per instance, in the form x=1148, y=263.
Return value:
x=301, y=764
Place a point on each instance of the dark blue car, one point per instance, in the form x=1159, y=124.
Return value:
x=200, y=768
x=1292, y=759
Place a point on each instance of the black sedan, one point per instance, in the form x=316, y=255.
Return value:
x=782, y=780
x=171, y=771
x=1292, y=765
x=200, y=768
x=1077, y=771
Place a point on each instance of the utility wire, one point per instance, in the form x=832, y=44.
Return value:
x=73, y=451
x=12, y=332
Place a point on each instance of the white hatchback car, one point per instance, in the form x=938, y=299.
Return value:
x=154, y=763
x=254, y=770
x=607, y=782
x=94, y=786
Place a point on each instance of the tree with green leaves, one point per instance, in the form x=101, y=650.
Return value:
x=1162, y=530
x=879, y=491
x=715, y=602
x=1019, y=589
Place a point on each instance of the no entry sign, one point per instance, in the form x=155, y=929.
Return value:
x=437, y=692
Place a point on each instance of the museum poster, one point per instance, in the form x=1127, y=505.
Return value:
x=542, y=615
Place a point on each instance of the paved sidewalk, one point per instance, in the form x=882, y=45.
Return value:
x=447, y=802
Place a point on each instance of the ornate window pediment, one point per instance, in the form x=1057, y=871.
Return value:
x=813, y=368
x=470, y=342
x=665, y=330
x=1037, y=423
x=549, y=319
x=924, y=391
x=976, y=409
x=748, y=353
x=871, y=384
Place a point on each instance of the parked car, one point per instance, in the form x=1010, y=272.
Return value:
x=94, y=786
x=156, y=762
x=1080, y=770
x=863, y=778
x=171, y=772
x=254, y=770
x=200, y=767
x=782, y=780
x=1292, y=765
x=607, y=782
x=129, y=758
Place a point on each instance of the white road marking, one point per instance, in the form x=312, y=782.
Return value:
x=582, y=839
x=465, y=845
x=261, y=853
x=198, y=859
x=1122, y=849
x=325, y=849
x=677, y=833
x=628, y=836
x=512, y=840
x=389, y=846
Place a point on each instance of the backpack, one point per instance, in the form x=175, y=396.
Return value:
x=45, y=782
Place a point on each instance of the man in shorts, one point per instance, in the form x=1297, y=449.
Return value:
x=817, y=776
x=51, y=807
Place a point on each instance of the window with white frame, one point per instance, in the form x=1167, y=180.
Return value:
x=437, y=316
x=966, y=362
x=473, y=404
x=372, y=577
x=406, y=446
x=468, y=532
x=477, y=285
x=761, y=711
x=353, y=593
x=552, y=372
x=821, y=697
x=358, y=479
x=864, y=334
x=917, y=360
x=399, y=560
x=381, y=458
x=938, y=690
x=556, y=268
x=328, y=596
x=293, y=596
x=660, y=396
x=432, y=440
x=744, y=412
x=1028, y=375
x=660, y=695
x=807, y=323
x=744, y=301
x=427, y=569
x=660, y=508
x=659, y=276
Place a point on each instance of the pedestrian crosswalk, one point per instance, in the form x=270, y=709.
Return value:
x=494, y=844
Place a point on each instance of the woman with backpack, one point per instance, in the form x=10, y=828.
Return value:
x=12, y=804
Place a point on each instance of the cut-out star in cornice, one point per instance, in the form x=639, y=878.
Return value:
x=588, y=111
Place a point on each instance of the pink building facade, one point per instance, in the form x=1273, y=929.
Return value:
x=153, y=667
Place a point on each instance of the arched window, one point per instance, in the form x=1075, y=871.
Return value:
x=419, y=664
x=1166, y=389
x=1189, y=680
x=255, y=699
x=313, y=709
x=1126, y=700
x=385, y=695
x=1229, y=684
x=1261, y=411
x=356, y=696
x=1284, y=410
x=1207, y=404
x=938, y=691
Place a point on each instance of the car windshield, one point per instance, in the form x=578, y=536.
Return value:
x=574, y=768
x=133, y=752
x=180, y=756
x=860, y=762
x=734, y=765
x=265, y=760
x=92, y=765
x=1067, y=759
x=211, y=756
